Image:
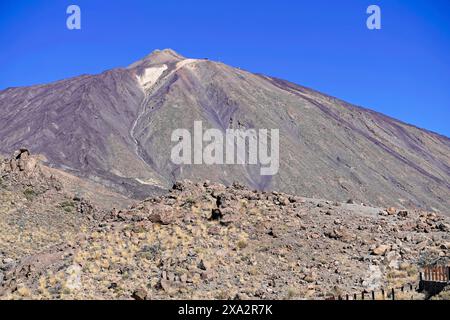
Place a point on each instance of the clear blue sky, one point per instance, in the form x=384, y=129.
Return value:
x=402, y=70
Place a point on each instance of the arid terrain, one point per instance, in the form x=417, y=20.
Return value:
x=92, y=207
x=202, y=240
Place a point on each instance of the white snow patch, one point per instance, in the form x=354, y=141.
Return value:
x=150, y=182
x=151, y=75
x=143, y=182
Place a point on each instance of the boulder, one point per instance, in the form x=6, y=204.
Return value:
x=445, y=246
x=204, y=265
x=310, y=277
x=140, y=294
x=443, y=227
x=402, y=213
x=391, y=211
x=13, y=165
x=340, y=233
x=162, y=215
x=381, y=250
x=283, y=201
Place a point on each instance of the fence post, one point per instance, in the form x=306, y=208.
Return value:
x=346, y=297
x=354, y=297
x=382, y=293
x=393, y=294
x=421, y=282
x=362, y=295
x=373, y=295
x=448, y=274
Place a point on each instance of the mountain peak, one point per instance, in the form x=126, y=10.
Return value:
x=165, y=54
x=159, y=57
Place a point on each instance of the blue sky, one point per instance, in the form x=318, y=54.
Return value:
x=402, y=70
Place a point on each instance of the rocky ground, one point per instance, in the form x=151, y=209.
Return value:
x=204, y=241
x=35, y=211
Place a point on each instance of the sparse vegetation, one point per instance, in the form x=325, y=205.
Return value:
x=68, y=206
x=29, y=194
x=256, y=249
x=189, y=202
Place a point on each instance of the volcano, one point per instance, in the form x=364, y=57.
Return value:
x=115, y=128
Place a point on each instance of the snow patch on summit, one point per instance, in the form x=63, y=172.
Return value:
x=151, y=75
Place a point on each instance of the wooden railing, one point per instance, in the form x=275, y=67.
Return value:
x=432, y=280
x=380, y=294
x=435, y=274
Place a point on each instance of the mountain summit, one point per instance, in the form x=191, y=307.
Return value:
x=158, y=57
x=115, y=128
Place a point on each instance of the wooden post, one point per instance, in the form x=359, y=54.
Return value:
x=373, y=295
x=362, y=295
x=354, y=297
x=393, y=294
x=382, y=293
x=347, y=297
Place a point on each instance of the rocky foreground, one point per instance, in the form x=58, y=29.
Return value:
x=203, y=241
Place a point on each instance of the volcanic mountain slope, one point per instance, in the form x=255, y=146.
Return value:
x=116, y=127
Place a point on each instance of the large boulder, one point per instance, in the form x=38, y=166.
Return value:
x=21, y=161
x=381, y=250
